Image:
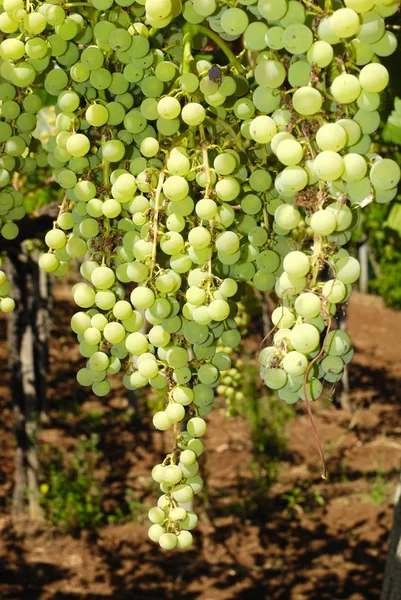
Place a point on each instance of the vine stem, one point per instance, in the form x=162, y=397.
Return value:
x=156, y=220
x=187, y=50
x=221, y=44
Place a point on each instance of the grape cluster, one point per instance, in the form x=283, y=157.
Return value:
x=17, y=147
x=186, y=179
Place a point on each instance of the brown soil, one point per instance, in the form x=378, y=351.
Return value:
x=304, y=539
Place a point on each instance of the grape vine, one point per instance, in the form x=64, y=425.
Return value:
x=187, y=177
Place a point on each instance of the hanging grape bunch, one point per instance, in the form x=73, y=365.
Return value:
x=184, y=179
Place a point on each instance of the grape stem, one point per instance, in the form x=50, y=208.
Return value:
x=222, y=45
x=156, y=221
x=72, y=4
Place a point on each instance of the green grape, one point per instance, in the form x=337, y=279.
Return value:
x=255, y=36
x=78, y=145
x=353, y=130
x=295, y=14
x=290, y=152
x=299, y=73
x=385, y=174
x=296, y=263
x=307, y=100
x=320, y=53
x=345, y=23
x=263, y=129
x=328, y=165
x=12, y=49
x=168, y=108
x=274, y=38
x=337, y=343
x=372, y=27
x=188, y=82
x=374, y=78
x=323, y=222
x=304, y=338
x=347, y=269
x=298, y=38
x=368, y=121
x=272, y=10
x=193, y=114
x=270, y=73
x=331, y=137
x=234, y=21
x=386, y=45
x=189, y=183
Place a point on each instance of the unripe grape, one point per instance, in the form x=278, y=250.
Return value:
x=348, y=269
x=196, y=426
x=323, y=222
x=193, y=114
x=156, y=515
x=263, y=129
x=49, y=262
x=172, y=474
x=161, y=421
x=304, y=338
x=219, y=310
x=136, y=343
x=175, y=412
x=183, y=395
x=345, y=22
x=328, y=165
x=168, y=541
x=296, y=263
x=275, y=378
x=168, y=107
x=114, y=333
x=282, y=317
x=334, y=290
x=158, y=473
x=155, y=532
x=346, y=88
x=78, y=144
x=308, y=305
x=7, y=305
x=187, y=457
x=183, y=493
x=295, y=363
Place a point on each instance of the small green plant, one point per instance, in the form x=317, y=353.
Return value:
x=294, y=499
x=318, y=497
x=138, y=510
x=70, y=490
x=377, y=493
